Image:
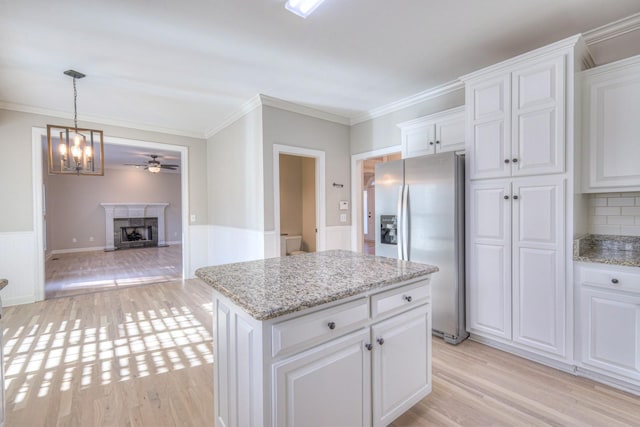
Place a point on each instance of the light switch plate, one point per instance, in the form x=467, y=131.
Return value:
x=343, y=217
x=344, y=205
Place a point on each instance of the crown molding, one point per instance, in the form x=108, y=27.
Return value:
x=443, y=89
x=302, y=109
x=612, y=30
x=98, y=120
x=244, y=109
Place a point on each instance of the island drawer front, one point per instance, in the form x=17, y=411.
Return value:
x=610, y=279
x=404, y=297
x=301, y=332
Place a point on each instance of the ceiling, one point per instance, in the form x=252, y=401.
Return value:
x=185, y=66
x=119, y=156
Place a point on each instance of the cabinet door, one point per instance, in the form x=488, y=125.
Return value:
x=489, y=128
x=328, y=385
x=401, y=364
x=489, y=258
x=418, y=141
x=450, y=133
x=538, y=263
x=612, y=102
x=538, y=141
x=611, y=331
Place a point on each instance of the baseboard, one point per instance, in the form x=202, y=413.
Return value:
x=75, y=250
x=25, y=299
x=567, y=367
x=609, y=380
x=175, y=242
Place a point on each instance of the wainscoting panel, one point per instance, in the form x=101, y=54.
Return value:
x=198, y=249
x=271, y=244
x=230, y=244
x=339, y=237
x=18, y=265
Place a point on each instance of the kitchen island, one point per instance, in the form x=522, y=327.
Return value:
x=327, y=338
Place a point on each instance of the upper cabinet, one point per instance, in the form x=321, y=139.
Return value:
x=611, y=127
x=516, y=119
x=436, y=133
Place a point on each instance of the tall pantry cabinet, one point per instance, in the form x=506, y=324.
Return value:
x=520, y=131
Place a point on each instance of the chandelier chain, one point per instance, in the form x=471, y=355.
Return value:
x=75, y=105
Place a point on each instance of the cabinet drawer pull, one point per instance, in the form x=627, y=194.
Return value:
x=506, y=161
x=431, y=143
x=614, y=281
x=331, y=325
x=368, y=347
x=437, y=142
x=515, y=197
x=408, y=298
x=506, y=197
x=380, y=341
x=515, y=160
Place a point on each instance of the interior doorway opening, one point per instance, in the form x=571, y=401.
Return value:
x=78, y=253
x=363, y=195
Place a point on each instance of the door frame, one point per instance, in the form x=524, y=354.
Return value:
x=321, y=211
x=357, y=187
x=38, y=201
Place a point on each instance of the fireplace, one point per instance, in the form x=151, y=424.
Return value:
x=135, y=232
x=134, y=225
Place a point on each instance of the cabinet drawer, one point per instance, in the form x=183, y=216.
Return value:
x=405, y=297
x=610, y=279
x=300, y=332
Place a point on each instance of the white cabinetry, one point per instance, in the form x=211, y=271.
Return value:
x=362, y=361
x=516, y=120
x=516, y=289
x=610, y=321
x=437, y=133
x=611, y=103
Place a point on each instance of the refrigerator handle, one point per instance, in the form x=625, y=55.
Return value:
x=405, y=223
x=400, y=223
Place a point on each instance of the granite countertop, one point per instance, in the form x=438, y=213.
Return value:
x=3, y=283
x=605, y=249
x=273, y=287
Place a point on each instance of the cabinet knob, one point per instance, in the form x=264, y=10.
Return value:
x=408, y=298
x=506, y=161
x=506, y=197
x=515, y=197
x=368, y=347
x=614, y=281
x=431, y=143
x=380, y=341
x=515, y=160
x=437, y=142
x=331, y=325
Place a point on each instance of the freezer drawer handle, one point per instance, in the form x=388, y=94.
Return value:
x=380, y=341
x=408, y=298
x=331, y=325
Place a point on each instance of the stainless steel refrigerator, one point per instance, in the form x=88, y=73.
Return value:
x=419, y=211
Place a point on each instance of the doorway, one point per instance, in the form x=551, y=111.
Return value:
x=363, y=195
x=299, y=200
x=72, y=231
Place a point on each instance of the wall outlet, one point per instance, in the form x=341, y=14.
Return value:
x=343, y=217
x=91, y=239
x=193, y=217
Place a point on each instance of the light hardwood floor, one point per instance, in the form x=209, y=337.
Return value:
x=142, y=356
x=83, y=272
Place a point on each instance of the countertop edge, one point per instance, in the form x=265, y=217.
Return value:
x=607, y=261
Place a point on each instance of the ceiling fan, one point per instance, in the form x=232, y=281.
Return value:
x=154, y=165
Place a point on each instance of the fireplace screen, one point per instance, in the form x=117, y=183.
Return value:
x=135, y=232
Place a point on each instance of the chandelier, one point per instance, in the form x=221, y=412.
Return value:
x=73, y=150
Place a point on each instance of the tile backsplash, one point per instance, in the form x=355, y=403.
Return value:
x=615, y=214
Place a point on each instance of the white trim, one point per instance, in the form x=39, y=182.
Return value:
x=248, y=106
x=612, y=30
x=420, y=121
x=36, y=147
x=321, y=210
x=356, y=190
x=99, y=120
x=302, y=109
x=410, y=101
x=174, y=242
x=622, y=64
x=75, y=250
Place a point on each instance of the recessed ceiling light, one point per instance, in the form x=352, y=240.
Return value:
x=302, y=8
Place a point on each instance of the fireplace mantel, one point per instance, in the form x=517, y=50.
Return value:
x=133, y=210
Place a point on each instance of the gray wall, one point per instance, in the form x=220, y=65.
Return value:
x=234, y=174
x=383, y=131
x=74, y=211
x=16, y=189
x=287, y=128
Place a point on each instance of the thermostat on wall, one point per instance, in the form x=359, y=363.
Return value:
x=344, y=205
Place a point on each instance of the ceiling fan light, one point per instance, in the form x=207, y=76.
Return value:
x=302, y=8
x=154, y=169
